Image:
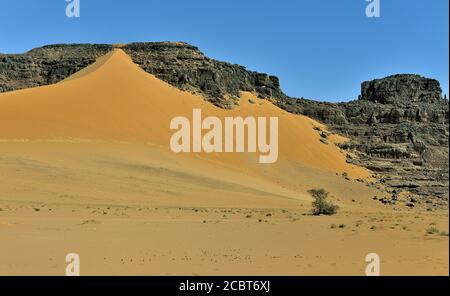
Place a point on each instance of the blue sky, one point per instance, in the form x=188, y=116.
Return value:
x=320, y=49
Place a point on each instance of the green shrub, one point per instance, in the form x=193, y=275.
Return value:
x=321, y=206
x=432, y=230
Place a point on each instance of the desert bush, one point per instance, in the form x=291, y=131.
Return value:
x=432, y=230
x=321, y=206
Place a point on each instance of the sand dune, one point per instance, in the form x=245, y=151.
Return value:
x=114, y=99
x=85, y=167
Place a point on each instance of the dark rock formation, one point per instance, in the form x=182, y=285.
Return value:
x=397, y=88
x=329, y=113
x=398, y=127
x=46, y=65
x=185, y=67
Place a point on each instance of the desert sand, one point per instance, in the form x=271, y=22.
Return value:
x=85, y=167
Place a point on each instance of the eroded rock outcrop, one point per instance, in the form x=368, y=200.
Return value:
x=399, y=127
x=186, y=67
x=46, y=65
x=400, y=89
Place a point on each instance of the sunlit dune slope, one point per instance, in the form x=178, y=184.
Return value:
x=114, y=99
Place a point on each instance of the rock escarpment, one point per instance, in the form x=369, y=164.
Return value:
x=398, y=127
x=185, y=67
x=397, y=88
x=46, y=65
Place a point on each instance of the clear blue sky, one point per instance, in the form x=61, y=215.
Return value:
x=321, y=49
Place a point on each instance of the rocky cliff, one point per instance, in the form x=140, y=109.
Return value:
x=184, y=66
x=398, y=127
x=46, y=65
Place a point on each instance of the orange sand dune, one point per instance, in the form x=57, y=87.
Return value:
x=114, y=99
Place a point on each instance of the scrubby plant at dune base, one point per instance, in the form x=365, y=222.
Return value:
x=321, y=206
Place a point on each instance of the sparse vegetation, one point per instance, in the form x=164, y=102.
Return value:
x=432, y=230
x=321, y=206
x=435, y=231
x=334, y=226
x=91, y=221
